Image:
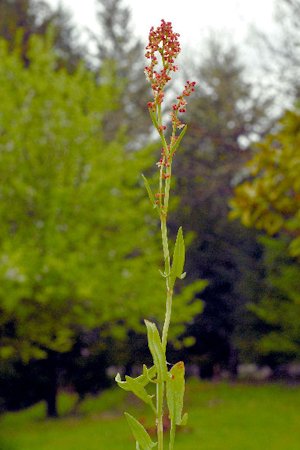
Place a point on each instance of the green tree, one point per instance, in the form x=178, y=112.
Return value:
x=270, y=198
x=75, y=252
x=279, y=307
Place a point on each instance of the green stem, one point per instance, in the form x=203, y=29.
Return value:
x=167, y=319
x=159, y=414
x=172, y=435
x=165, y=243
x=164, y=205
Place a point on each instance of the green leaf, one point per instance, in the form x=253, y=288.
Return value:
x=149, y=190
x=140, y=434
x=175, y=393
x=157, y=351
x=178, y=258
x=147, y=375
x=184, y=419
x=154, y=120
x=133, y=385
x=178, y=140
x=163, y=274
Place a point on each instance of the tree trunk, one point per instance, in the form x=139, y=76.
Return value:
x=52, y=385
x=51, y=404
x=233, y=362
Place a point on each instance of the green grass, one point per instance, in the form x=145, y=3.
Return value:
x=221, y=417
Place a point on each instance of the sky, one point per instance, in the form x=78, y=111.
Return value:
x=193, y=19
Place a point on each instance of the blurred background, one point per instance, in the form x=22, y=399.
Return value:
x=80, y=245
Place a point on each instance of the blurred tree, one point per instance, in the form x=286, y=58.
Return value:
x=270, y=198
x=279, y=307
x=279, y=53
x=223, y=117
x=122, y=53
x=20, y=19
x=77, y=247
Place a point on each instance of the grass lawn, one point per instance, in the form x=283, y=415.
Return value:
x=221, y=417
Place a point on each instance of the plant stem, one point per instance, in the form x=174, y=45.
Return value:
x=165, y=180
x=172, y=435
x=159, y=414
x=167, y=319
x=165, y=243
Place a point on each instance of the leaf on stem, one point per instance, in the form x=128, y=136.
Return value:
x=133, y=385
x=178, y=140
x=140, y=434
x=163, y=274
x=147, y=375
x=157, y=351
x=150, y=193
x=175, y=393
x=178, y=258
x=154, y=120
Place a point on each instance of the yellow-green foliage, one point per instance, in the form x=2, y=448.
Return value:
x=270, y=199
x=75, y=246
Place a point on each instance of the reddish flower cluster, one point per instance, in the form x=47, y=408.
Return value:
x=164, y=41
x=181, y=104
x=165, y=158
x=164, y=44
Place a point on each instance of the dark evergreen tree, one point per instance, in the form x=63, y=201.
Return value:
x=279, y=308
x=120, y=54
x=224, y=118
x=279, y=54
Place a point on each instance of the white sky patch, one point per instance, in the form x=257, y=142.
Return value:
x=193, y=19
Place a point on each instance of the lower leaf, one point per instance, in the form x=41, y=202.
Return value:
x=140, y=434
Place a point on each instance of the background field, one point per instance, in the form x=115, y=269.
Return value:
x=222, y=416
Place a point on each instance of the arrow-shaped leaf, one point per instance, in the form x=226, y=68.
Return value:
x=149, y=190
x=133, y=385
x=178, y=140
x=175, y=393
x=147, y=375
x=156, y=349
x=140, y=434
x=178, y=258
x=153, y=118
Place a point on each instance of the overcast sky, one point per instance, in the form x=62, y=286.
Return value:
x=193, y=19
